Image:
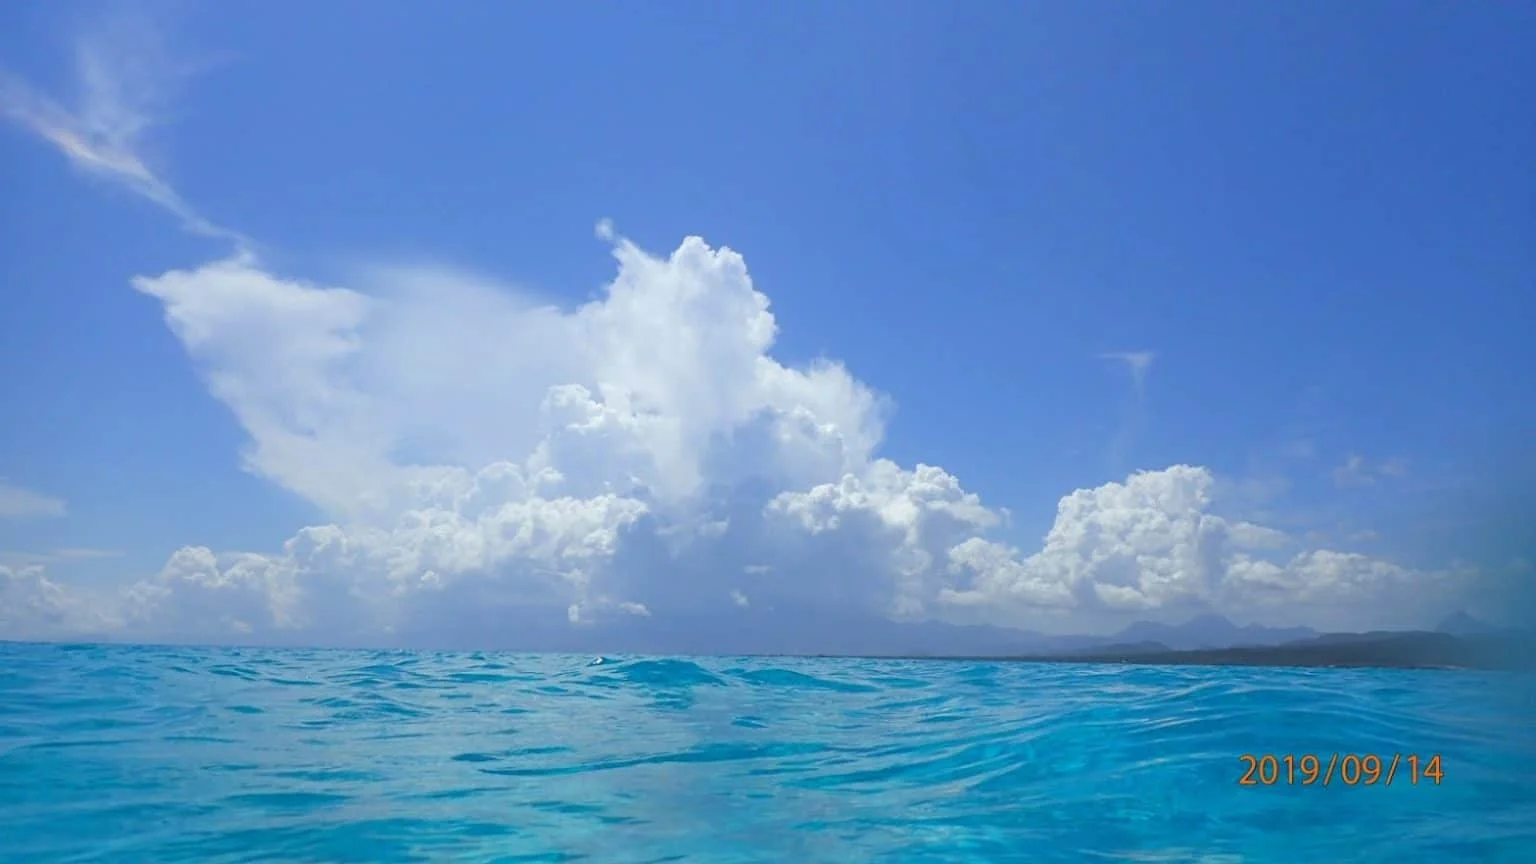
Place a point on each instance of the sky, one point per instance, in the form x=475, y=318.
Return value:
x=385, y=324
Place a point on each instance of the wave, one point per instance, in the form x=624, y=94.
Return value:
x=124, y=753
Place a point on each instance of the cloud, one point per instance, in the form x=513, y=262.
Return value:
x=1138, y=363
x=75, y=553
x=486, y=458
x=455, y=427
x=32, y=606
x=57, y=556
x=1298, y=449
x=496, y=469
x=365, y=402
x=124, y=80
x=16, y=502
x=1153, y=545
x=1353, y=472
x=1357, y=471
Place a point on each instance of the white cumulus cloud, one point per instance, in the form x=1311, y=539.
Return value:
x=640, y=456
x=383, y=407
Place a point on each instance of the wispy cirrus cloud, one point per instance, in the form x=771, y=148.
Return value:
x=80, y=553
x=1137, y=363
x=1359, y=471
x=124, y=78
x=56, y=557
x=17, y=502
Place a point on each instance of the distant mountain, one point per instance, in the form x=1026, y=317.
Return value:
x=811, y=630
x=821, y=631
x=1462, y=624
x=1407, y=650
x=1208, y=631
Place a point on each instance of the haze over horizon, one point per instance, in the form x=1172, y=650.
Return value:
x=1017, y=318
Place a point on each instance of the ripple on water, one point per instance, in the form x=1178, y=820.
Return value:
x=191, y=755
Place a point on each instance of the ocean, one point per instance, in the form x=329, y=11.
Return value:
x=155, y=754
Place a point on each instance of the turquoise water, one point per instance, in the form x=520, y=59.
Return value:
x=213, y=755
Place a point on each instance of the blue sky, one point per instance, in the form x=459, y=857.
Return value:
x=1284, y=246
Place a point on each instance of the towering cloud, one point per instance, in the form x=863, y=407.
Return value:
x=641, y=456
x=481, y=457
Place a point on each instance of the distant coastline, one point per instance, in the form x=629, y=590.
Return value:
x=1460, y=642
x=1384, y=650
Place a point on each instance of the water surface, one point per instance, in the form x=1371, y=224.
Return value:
x=223, y=755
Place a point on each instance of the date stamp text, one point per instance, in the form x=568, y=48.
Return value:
x=1346, y=769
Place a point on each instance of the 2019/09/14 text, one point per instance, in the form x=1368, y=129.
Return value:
x=1348, y=769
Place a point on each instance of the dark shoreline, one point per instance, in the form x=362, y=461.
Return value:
x=1504, y=652
x=1364, y=651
